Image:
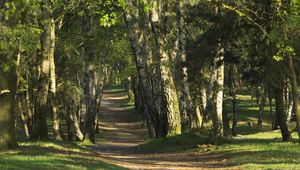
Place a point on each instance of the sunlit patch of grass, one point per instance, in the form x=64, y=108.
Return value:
x=52, y=155
x=261, y=150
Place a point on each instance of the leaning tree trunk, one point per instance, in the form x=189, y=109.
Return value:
x=23, y=113
x=73, y=122
x=140, y=53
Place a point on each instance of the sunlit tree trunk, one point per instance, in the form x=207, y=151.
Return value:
x=169, y=105
x=52, y=90
x=40, y=129
x=219, y=63
x=295, y=95
x=137, y=40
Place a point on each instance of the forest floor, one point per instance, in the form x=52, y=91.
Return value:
x=123, y=144
x=123, y=141
x=122, y=134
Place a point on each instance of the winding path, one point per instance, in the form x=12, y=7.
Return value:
x=121, y=133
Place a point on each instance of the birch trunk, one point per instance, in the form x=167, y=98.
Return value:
x=137, y=40
x=52, y=89
x=294, y=84
x=195, y=117
x=169, y=105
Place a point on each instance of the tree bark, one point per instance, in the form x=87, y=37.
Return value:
x=169, y=105
x=195, y=117
x=295, y=96
x=52, y=89
x=137, y=40
x=270, y=96
x=286, y=136
x=7, y=109
x=90, y=107
x=262, y=101
x=40, y=129
x=219, y=63
x=232, y=91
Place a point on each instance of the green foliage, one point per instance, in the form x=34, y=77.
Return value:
x=69, y=93
x=283, y=52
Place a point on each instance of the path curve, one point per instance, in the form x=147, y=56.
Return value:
x=121, y=133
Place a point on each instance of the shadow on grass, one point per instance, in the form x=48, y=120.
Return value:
x=52, y=155
x=246, y=130
x=175, y=143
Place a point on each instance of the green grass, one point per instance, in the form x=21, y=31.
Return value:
x=262, y=150
x=175, y=143
x=52, y=155
x=253, y=148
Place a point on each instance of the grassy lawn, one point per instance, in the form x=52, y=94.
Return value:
x=253, y=148
x=52, y=155
x=262, y=150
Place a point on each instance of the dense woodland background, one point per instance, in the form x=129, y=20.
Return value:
x=187, y=65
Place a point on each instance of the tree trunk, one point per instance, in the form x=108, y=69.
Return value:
x=232, y=91
x=195, y=117
x=217, y=115
x=271, y=108
x=7, y=109
x=169, y=105
x=207, y=117
x=73, y=122
x=295, y=96
x=137, y=38
x=219, y=63
x=90, y=107
x=262, y=101
x=52, y=89
x=40, y=129
x=23, y=113
x=286, y=136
